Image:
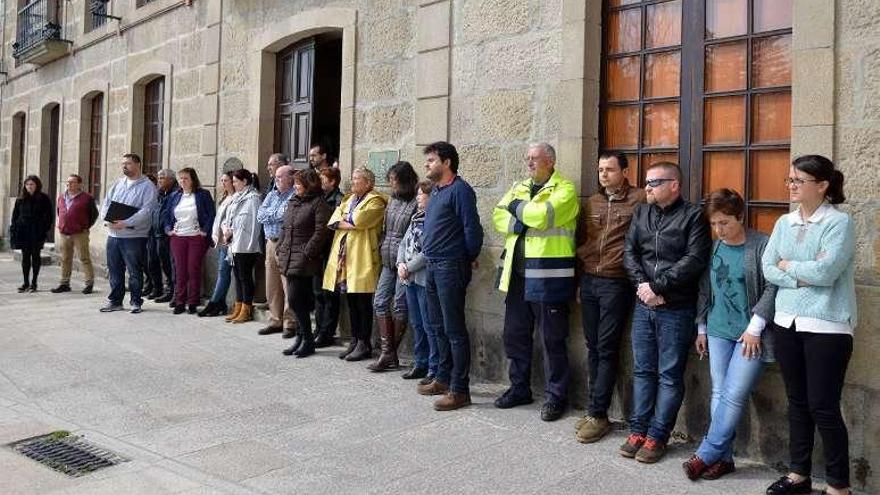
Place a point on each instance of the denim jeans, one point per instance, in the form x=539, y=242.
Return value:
x=224, y=276
x=661, y=341
x=424, y=329
x=446, y=289
x=605, y=305
x=733, y=377
x=126, y=254
x=390, y=289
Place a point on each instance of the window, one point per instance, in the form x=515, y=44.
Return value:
x=737, y=104
x=154, y=122
x=96, y=10
x=19, y=147
x=96, y=136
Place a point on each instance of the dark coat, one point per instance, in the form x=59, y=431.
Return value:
x=31, y=220
x=304, y=236
x=669, y=248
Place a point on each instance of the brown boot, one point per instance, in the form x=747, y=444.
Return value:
x=433, y=388
x=388, y=359
x=399, y=332
x=246, y=314
x=234, y=313
x=452, y=401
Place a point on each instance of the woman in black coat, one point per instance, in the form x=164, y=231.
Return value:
x=31, y=221
x=300, y=254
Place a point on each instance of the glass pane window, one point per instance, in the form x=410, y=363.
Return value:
x=726, y=18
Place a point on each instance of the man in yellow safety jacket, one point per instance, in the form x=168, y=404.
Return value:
x=539, y=218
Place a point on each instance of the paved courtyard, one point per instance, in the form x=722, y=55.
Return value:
x=200, y=406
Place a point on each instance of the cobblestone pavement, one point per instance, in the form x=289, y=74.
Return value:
x=200, y=406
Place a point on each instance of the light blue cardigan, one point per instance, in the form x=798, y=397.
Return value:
x=822, y=262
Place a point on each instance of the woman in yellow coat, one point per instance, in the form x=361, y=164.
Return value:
x=354, y=265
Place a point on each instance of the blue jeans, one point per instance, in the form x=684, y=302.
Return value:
x=126, y=254
x=424, y=329
x=446, y=288
x=661, y=341
x=224, y=276
x=733, y=377
x=390, y=289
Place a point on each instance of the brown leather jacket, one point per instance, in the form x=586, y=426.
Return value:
x=601, y=230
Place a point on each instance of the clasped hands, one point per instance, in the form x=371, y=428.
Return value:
x=647, y=295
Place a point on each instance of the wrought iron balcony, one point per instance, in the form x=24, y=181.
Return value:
x=38, y=37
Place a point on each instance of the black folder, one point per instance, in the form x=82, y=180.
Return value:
x=119, y=211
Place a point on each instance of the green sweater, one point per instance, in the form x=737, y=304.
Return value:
x=820, y=255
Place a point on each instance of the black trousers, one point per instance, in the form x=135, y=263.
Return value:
x=520, y=319
x=31, y=261
x=301, y=300
x=605, y=305
x=159, y=264
x=243, y=270
x=813, y=367
x=360, y=313
x=326, y=307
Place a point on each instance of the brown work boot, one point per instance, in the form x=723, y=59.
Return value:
x=593, y=429
x=234, y=313
x=651, y=451
x=632, y=445
x=246, y=314
x=433, y=388
x=452, y=401
x=388, y=358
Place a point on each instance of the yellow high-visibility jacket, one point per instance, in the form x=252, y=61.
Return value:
x=548, y=221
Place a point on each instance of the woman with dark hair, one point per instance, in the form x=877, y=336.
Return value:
x=31, y=221
x=327, y=301
x=217, y=304
x=353, y=268
x=734, y=305
x=389, y=302
x=300, y=254
x=810, y=259
x=188, y=221
x=242, y=237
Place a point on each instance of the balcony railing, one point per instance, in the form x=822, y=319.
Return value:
x=38, y=34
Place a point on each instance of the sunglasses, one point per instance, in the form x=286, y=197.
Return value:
x=657, y=182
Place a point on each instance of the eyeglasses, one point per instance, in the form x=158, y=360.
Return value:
x=798, y=181
x=657, y=182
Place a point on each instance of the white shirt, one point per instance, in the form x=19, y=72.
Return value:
x=187, y=223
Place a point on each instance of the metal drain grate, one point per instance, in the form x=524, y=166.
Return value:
x=66, y=453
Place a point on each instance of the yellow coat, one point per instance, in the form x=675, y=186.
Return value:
x=362, y=244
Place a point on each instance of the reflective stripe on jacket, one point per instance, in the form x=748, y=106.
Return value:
x=548, y=221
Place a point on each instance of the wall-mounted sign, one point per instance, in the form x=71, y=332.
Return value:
x=380, y=161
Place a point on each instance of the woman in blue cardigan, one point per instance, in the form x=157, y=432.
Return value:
x=809, y=257
x=188, y=222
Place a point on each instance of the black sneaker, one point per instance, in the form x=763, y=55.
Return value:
x=552, y=410
x=512, y=398
x=61, y=288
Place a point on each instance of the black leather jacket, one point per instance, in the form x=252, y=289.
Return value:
x=669, y=248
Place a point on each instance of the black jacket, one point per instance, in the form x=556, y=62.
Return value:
x=31, y=220
x=669, y=248
x=160, y=212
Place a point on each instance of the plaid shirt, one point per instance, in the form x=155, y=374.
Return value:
x=271, y=213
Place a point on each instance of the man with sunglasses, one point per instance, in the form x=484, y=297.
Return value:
x=666, y=250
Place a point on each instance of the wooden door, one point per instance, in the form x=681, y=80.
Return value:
x=294, y=90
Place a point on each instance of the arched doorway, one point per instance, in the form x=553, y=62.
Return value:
x=50, y=139
x=307, y=93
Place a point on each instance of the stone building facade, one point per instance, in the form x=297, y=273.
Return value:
x=199, y=82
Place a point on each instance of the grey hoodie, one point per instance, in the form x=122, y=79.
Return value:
x=140, y=194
